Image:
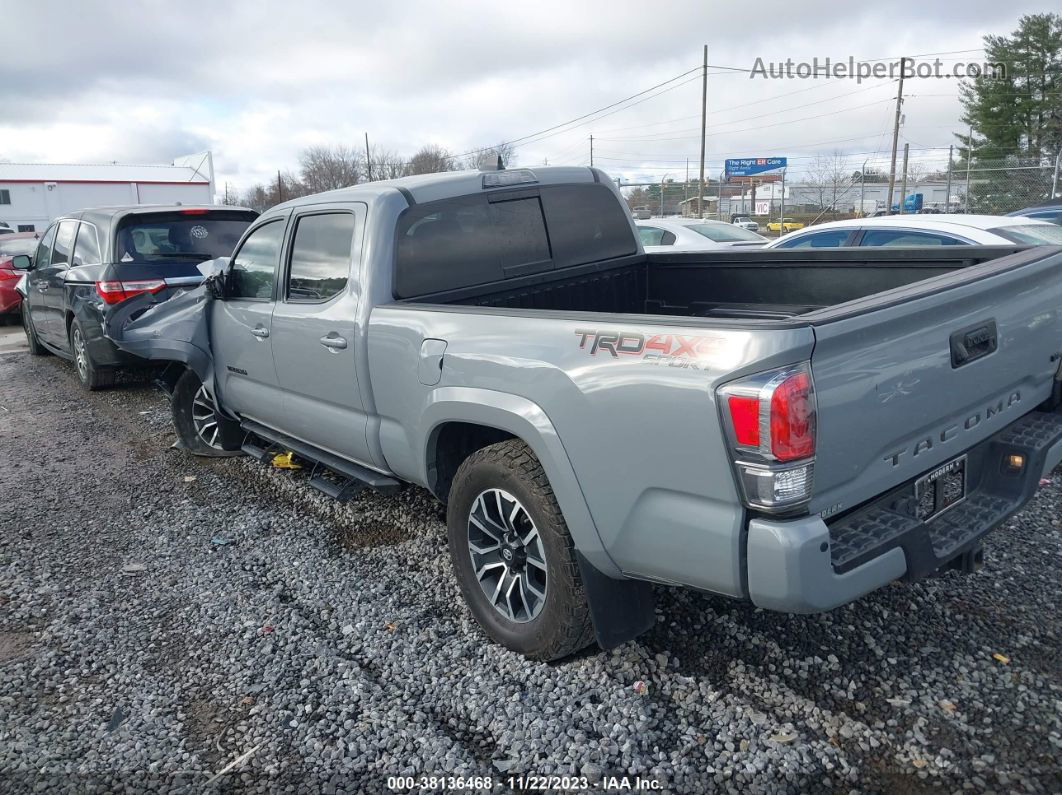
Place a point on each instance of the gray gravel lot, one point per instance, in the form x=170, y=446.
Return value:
x=160, y=616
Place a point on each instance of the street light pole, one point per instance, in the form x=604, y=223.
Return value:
x=662, y=194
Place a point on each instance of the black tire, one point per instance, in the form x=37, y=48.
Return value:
x=563, y=625
x=92, y=376
x=223, y=440
x=35, y=347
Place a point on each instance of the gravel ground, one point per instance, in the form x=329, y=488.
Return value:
x=162, y=616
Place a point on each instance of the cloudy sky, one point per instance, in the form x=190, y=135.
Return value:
x=257, y=82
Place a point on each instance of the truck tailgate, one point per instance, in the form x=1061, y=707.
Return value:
x=909, y=379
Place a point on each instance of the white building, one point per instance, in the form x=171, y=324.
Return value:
x=32, y=194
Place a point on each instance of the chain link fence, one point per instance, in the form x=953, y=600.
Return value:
x=986, y=187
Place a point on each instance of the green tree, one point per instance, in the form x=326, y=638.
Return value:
x=1015, y=117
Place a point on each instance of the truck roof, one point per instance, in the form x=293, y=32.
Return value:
x=448, y=184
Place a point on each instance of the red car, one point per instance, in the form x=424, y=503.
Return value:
x=11, y=246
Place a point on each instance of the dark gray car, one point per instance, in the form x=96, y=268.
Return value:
x=89, y=261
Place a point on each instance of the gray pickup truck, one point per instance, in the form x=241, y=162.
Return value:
x=795, y=428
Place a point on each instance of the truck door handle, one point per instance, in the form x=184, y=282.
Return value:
x=333, y=342
x=260, y=332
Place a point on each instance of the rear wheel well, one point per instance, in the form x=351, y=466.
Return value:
x=454, y=442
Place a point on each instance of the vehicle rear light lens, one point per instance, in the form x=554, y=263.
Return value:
x=745, y=415
x=793, y=419
x=771, y=422
x=772, y=488
x=115, y=292
x=194, y=212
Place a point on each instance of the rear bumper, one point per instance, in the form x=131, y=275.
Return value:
x=10, y=300
x=807, y=566
x=102, y=350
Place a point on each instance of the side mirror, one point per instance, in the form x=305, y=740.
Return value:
x=22, y=262
x=214, y=270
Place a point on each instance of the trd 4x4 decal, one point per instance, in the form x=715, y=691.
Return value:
x=677, y=350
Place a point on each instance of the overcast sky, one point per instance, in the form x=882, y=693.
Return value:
x=257, y=82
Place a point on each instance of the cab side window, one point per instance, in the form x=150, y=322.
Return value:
x=44, y=250
x=253, y=270
x=831, y=239
x=64, y=242
x=87, y=247
x=320, y=257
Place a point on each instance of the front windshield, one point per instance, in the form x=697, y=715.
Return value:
x=725, y=233
x=1032, y=234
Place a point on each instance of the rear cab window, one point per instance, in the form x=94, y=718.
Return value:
x=1032, y=234
x=184, y=235
x=489, y=237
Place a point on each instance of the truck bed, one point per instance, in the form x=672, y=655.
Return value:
x=738, y=285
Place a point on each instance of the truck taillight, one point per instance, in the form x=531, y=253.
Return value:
x=770, y=420
x=116, y=292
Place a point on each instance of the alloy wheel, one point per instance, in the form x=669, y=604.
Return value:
x=507, y=554
x=204, y=418
x=80, y=354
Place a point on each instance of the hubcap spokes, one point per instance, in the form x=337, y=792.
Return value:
x=79, y=355
x=507, y=555
x=203, y=417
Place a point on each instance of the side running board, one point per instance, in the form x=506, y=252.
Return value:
x=348, y=478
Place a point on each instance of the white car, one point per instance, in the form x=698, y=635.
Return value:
x=745, y=223
x=694, y=234
x=915, y=231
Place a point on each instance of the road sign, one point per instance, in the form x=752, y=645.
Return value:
x=749, y=166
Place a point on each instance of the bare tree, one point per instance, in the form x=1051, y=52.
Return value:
x=831, y=177
x=488, y=157
x=386, y=163
x=916, y=172
x=231, y=196
x=430, y=159
x=330, y=167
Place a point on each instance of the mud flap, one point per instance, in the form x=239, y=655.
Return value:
x=620, y=609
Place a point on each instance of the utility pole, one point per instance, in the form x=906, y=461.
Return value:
x=781, y=203
x=704, y=132
x=947, y=193
x=280, y=188
x=969, y=160
x=368, y=158
x=686, y=190
x=895, y=136
x=862, y=188
x=591, y=151
x=903, y=189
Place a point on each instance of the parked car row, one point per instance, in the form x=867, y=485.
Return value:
x=596, y=416
x=914, y=231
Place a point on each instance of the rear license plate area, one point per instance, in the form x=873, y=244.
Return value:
x=941, y=489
